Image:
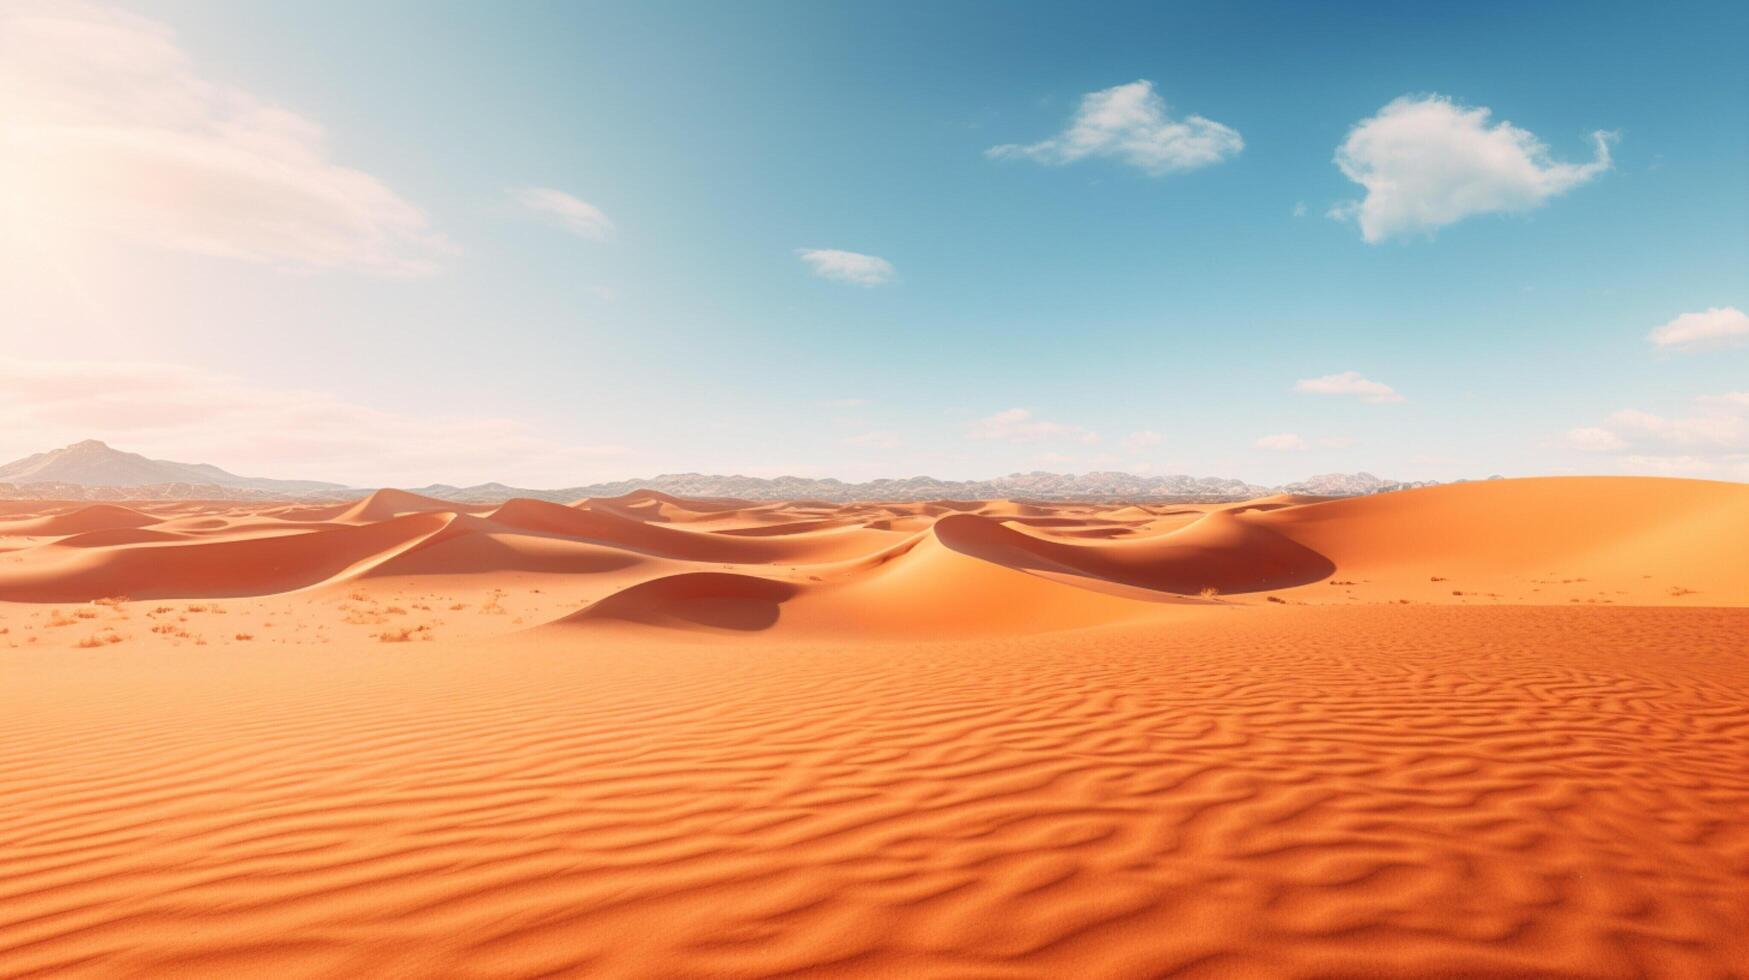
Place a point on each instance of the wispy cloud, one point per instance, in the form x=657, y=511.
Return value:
x=1129, y=123
x=1717, y=327
x=573, y=214
x=1135, y=442
x=1428, y=161
x=1712, y=440
x=1349, y=383
x=1018, y=425
x=195, y=415
x=851, y=267
x=1595, y=439
x=875, y=440
x=1283, y=441
x=110, y=127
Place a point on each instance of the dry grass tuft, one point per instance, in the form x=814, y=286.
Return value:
x=404, y=635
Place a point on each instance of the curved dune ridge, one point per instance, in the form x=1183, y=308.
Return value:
x=712, y=600
x=1491, y=729
x=81, y=520
x=1633, y=541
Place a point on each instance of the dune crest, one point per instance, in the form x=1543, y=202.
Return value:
x=1493, y=729
x=1627, y=540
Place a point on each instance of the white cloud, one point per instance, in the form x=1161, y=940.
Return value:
x=1349, y=383
x=852, y=267
x=1337, y=442
x=1285, y=442
x=1713, y=441
x=197, y=416
x=575, y=215
x=1299, y=209
x=106, y=125
x=1135, y=442
x=847, y=403
x=1724, y=326
x=875, y=440
x=1018, y=425
x=1595, y=439
x=1730, y=401
x=1428, y=161
x=1129, y=123
x=1730, y=468
x=1722, y=429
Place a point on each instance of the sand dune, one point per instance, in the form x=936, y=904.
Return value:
x=1493, y=729
x=1627, y=540
x=94, y=517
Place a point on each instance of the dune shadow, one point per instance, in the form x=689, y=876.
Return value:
x=1218, y=552
x=712, y=600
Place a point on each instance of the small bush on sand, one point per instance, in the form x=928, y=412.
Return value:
x=1209, y=592
x=404, y=635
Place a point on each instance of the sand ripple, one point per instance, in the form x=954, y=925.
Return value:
x=1389, y=791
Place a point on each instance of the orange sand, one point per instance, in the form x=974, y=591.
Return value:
x=1485, y=729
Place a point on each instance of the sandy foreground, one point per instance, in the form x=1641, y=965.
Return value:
x=1486, y=729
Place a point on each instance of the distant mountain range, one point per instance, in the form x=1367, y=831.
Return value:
x=94, y=464
x=91, y=470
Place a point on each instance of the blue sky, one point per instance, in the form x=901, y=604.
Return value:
x=304, y=239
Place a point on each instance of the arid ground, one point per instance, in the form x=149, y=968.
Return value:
x=1487, y=729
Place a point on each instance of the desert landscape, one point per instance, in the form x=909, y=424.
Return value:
x=1207, y=489
x=1496, y=728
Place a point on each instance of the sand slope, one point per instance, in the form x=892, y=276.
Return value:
x=1532, y=541
x=1494, y=729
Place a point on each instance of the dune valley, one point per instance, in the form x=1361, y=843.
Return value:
x=1496, y=728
